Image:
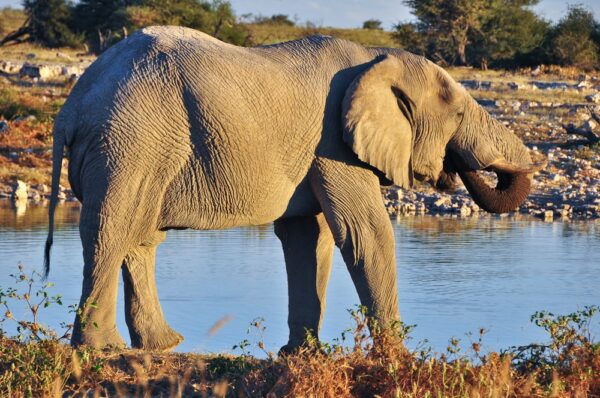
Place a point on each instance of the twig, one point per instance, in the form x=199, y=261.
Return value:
x=593, y=114
x=590, y=135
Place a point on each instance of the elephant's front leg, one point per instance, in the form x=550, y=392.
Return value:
x=308, y=249
x=148, y=328
x=351, y=201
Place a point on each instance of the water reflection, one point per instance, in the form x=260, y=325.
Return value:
x=23, y=215
x=454, y=275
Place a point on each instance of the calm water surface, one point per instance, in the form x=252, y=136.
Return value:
x=454, y=277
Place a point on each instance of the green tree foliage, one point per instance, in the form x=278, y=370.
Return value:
x=275, y=19
x=509, y=30
x=91, y=16
x=472, y=31
x=575, y=40
x=47, y=24
x=447, y=25
x=374, y=24
x=107, y=21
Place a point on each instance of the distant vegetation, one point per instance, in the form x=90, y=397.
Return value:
x=494, y=33
x=499, y=33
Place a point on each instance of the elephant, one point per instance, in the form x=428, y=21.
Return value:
x=171, y=129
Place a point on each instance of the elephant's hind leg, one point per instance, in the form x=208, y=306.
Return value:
x=148, y=328
x=308, y=249
x=95, y=322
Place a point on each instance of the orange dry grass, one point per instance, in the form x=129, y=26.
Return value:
x=385, y=368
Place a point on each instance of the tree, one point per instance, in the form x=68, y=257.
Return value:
x=508, y=31
x=104, y=22
x=373, y=24
x=449, y=23
x=575, y=39
x=472, y=31
x=47, y=23
x=275, y=19
x=98, y=20
x=408, y=36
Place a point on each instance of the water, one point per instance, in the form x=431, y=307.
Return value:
x=454, y=277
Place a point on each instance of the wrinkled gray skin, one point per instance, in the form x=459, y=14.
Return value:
x=171, y=128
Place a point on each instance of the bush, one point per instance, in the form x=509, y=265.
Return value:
x=574, y=41
x=374, y=24
x=275, y=19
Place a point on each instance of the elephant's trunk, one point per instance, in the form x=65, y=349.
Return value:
x=482, y=143
x=512, y=189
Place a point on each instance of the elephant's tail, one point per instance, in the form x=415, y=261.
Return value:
x=57, y=156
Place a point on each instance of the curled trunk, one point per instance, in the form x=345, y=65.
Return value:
x=512, y=189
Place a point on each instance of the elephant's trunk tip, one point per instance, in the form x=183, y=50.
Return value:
x=510, y=193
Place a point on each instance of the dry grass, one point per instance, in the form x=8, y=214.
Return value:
x=11, y=20
x=37, y=363
x=541, y=96
x=270, y=34
x=383, y=368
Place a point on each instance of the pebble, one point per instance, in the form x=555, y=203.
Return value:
x=4, y=127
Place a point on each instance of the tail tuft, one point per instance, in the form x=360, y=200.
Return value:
x=47, y=257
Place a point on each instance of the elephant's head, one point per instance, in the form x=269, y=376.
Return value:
x=407, y=117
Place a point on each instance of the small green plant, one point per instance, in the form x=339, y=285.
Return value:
x=570, y=337
x=34, y=361
x=32, y=329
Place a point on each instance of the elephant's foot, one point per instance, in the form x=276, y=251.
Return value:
x=158, y=338
x=293, y=347
x=289, y=348
x=99, y=339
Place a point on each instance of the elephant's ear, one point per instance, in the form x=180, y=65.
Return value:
x=375, y=119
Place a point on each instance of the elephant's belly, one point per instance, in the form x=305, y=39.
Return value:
x=221, y=204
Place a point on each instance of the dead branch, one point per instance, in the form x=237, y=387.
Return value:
x=593, y=114
x=589, y=135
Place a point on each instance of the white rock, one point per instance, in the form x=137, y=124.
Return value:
x=465, y=211
x=595, y=98
x=20, y=190
x=40, y=72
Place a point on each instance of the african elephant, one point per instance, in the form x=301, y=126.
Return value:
x=172, y=128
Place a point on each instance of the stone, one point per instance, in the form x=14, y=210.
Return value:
x=4, y=127
x=392, y=195
x=589, y=125
x=20, y=190
x=517, y=86
x=442, y=201
x=41, y=72
x=35, y=196
x=28, y=118
x=595, y=98
x=9, y=67
x=465, y=211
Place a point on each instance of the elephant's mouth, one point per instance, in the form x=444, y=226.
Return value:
x=511, y=190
